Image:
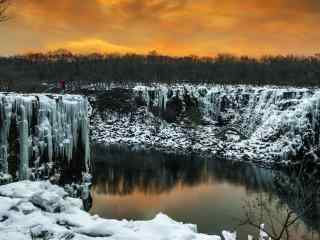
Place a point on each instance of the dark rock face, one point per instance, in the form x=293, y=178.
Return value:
x=118, y=100
x=173, y=110
x=192, y=112
x=125, y=101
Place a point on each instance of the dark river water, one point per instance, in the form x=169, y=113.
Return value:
x=213, y=194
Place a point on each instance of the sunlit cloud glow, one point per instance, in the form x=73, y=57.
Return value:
x=180, y=27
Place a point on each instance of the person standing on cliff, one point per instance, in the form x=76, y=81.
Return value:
x=62, y=85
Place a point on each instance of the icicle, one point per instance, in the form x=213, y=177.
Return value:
x=85, y=142
x=24, y=145
x=163, y=98
x=5, y=119
x=59, y=121
x=4, y=158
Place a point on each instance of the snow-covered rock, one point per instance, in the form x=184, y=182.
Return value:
x=274, y=123
x=27, y=218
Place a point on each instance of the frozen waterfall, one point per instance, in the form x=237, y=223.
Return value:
x=280, y=122
x=47, y=129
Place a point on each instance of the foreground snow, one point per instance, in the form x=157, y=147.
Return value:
x=40, y=210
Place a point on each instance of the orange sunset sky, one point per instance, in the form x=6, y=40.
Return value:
x=175, y=27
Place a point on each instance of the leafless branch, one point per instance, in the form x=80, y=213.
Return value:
x=259, y=210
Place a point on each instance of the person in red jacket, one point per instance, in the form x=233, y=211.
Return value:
x=62, y=84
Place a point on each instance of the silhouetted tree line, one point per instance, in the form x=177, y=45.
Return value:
x=28, y=72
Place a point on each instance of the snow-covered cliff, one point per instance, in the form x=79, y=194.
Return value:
x=38, y=129
x=273, y=123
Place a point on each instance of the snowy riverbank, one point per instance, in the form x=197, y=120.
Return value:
x=40, y=210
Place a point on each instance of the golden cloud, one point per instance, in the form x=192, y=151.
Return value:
x=203, y=27
x=91, y=45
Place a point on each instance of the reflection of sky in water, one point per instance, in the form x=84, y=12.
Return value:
x=210, y=194
x=189, y=204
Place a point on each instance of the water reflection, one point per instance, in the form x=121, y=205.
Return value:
x=121, y=172
x=208, y=192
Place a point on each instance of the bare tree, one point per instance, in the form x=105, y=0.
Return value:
x=281, y=221
x=299, y=199
x=3, y=9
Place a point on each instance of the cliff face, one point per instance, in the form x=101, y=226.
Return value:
x=263, y=124
x=39, y=130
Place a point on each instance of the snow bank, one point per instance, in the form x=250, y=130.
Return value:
x=49, y=128
x=40, y=210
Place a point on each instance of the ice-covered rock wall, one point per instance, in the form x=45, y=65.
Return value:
x=284, y=120
x=36, y=129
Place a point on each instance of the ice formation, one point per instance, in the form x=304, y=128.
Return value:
x=280, y=122
x=49, y=128
x=278, y=115
x=40, y=210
